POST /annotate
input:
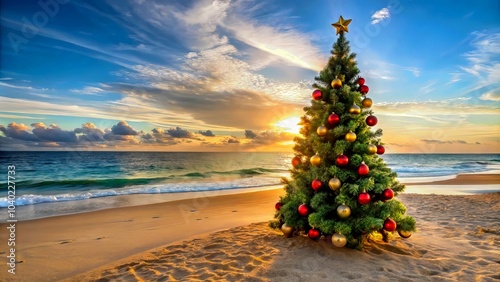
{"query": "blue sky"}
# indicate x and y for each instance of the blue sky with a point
(235, 75)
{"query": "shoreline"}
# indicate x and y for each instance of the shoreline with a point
(487, 182)
(464, 179)
(92, 239)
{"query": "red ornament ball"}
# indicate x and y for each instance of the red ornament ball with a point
(364, 89)
(361, 81)
(316, 184)
(296, 161)
(313, 233)
(389, 225)
(278, 206)
(364, 198)
(303, 210)
(371, 120)
(363, 169)
(317, 95)
(342, 160)
(388, 194)
(380, 149)
(333, 119)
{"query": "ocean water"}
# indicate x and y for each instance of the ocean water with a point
(63, 177)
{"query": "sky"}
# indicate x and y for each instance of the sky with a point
(234, 75)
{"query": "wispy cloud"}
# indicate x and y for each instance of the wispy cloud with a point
(11, 116)
(493, 95)
(414, 70)
(380, 15)
(16, 86)
(435, 141)
(428, 88)
(89, 90)
(207, 24)
(448, 108)
(456, 77)
(483, 59)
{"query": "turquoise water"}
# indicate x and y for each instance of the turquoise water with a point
(51, 177)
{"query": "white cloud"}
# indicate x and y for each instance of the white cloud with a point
(483, 59)
(211, 23)
(414, 70)
(9, 116)
(89, 90)
(380, 15)
(16, 86)
(287, 44)
(378, 69)
(433, 110)
(456, 77)
(482, 62)
(428, 88)
(493, 95)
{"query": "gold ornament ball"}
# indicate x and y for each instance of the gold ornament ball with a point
(334, 183)
(322, 130)
(404, 234)
(315, 160)
(343, 211)
(339, 240)
(287, 230)
(367, 102)
(350, 136)
(372, 149)
(336, 83)
(355, 109)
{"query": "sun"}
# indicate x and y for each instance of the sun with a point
(289, 125)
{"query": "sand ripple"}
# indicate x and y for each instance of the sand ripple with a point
(458, 240)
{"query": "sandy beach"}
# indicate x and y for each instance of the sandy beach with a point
(226, 238)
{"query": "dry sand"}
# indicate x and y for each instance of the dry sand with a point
(458, 240)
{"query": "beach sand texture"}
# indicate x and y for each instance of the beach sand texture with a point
(458, 240)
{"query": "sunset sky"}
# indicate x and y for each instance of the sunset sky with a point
(220, 75)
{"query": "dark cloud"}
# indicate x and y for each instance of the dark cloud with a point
(207, 133)
(110, 136)
(158, 131)
(250, 134)
(90, 133)
(231, 140)
(122, 128)
(435, 141)
(159, 136)
(53, 133)
(148, 136)
(18, 131)
(269, 137)
(89, 136)
(179, 133)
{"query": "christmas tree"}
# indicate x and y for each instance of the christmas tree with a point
(339, 186)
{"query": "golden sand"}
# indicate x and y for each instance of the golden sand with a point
(227, 238)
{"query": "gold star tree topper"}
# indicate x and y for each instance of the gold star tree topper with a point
(341, 25)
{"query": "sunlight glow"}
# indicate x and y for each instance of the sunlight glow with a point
(289, 125)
